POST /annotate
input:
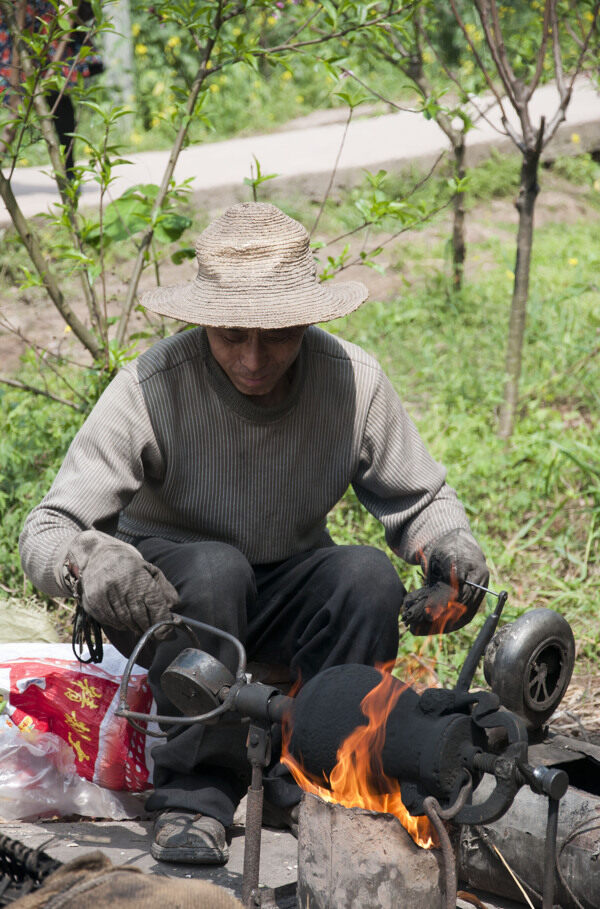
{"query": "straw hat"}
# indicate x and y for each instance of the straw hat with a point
(255, 270)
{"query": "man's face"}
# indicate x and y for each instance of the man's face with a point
(257, 361)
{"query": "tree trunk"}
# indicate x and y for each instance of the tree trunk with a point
(458, 227)
(516, 329)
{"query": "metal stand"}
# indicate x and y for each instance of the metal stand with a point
(259, 755)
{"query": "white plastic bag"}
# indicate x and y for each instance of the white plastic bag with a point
(48, 691)
(38, 779)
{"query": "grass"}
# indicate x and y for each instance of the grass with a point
(535, 503)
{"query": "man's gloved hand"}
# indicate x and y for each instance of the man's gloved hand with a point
(117, 587)
(447, 602)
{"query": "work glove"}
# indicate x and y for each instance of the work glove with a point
(115, 585)
(447, 602)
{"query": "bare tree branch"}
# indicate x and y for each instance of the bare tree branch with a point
(549, 5)
(34, 251)
(44, 354)
(410, 193)
(330, 36)
(561, 113)
(480, 62)
(42, 392)
(491, 8)
(334, 171)
(426, 217)
(513, 134)
(376, 94)
(557, 54)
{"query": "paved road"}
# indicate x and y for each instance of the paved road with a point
(304, 152)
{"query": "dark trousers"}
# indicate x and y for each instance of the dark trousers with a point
(64, 120)
(325, 607)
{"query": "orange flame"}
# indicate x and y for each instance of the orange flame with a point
(358, 780)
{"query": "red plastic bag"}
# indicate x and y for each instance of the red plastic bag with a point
(77, 703)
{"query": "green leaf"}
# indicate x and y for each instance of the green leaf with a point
(186, 252)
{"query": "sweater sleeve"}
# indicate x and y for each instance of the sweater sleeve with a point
(102, 470)
(399, 482)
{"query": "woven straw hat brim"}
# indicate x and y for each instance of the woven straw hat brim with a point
(275, 307)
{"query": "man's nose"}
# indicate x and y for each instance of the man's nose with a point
(254, 355)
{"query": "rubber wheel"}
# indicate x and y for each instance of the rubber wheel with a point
(529, 663)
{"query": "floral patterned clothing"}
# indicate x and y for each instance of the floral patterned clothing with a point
(39, 15)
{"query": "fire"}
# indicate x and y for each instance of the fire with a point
(440, 603)
(443, 612)
(358, 780)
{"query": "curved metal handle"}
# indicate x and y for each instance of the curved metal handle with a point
(179, 622)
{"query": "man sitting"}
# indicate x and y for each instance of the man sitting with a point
(201, 483)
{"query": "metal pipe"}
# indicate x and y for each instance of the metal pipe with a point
(254, 811)
(448, 858)
(550, 853)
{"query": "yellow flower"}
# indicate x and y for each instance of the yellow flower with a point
(427, 57)
(208, 64)
(141, 49)
(214, 87)
(135, 29)
(286, 76)
(576, 138)
(237, 31)
(573, 261)
(589, 16)
(509, 274)
(23, 162)
(174, 41)
(299, 98)
(271, 20)
(67, 329)
(158, 89)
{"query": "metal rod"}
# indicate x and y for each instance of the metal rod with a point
(550, 853)
(448, 858)
(254, 811)
(479, 587)
(481, 641)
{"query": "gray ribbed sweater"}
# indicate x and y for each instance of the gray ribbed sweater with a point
(171, 449)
